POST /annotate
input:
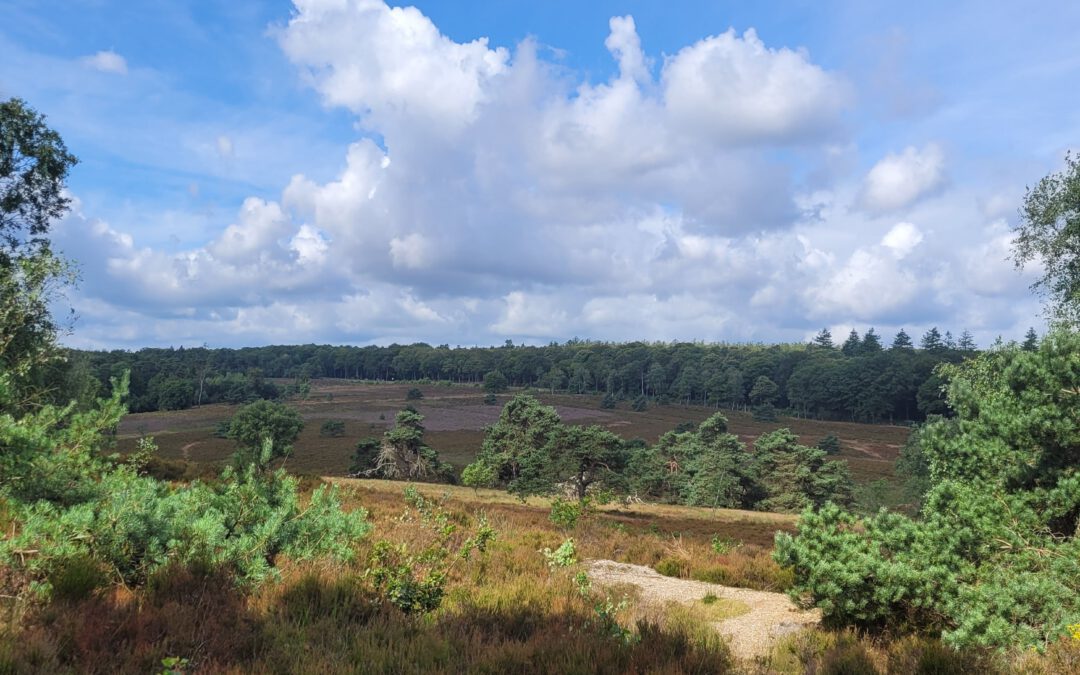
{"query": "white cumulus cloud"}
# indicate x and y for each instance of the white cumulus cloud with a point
(898, 181)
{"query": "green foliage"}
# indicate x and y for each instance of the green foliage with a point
(566, 514)
(76, 578)
(764, 413)
(640, 404)
(479, 475)
(724, 545)
(582, 458)
(1048, 235)
(34, 163)
(913, 469)
(994, 560)
(495, 382)
(71, 502)
(491, 399)
(830, 445)
(414, 581)
(704, 467)
(256, 423)
(414, 394)
(764, 391)
(564, 556)
(403, 455)
(530, 452)
(364, 457)
(609, 401)
(332, 429)
(795, 477)
(523, 429)
(606, 611)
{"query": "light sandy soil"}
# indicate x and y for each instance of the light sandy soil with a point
(751, 635)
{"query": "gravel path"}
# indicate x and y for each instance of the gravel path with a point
(752, 634)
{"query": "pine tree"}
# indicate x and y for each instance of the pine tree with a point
(931, 340)
(902, 341)
(823, 339)
(852, 345)
(1031, 341)
(871, 343)
(966, 342)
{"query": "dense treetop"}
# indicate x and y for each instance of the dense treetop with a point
(861, 381)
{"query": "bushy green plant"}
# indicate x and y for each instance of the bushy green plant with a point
(414, 579)
(332, 429)
(71, 502)
(564, 556)
(414, 394)
(566, 514)
(994, 560)
(364, 456)
(261, 420)
(829, 444)
(764, 412)
(724, 545)
(478, 475)
(795, 476)
(403, 454)
(640, 404)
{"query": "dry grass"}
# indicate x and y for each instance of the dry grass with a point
(505, 612)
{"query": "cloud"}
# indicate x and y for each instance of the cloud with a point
(530, 315)
(898, 181)
(389, 63)
(735, 89)
(493, 194)
(106, 61)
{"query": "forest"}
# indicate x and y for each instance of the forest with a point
(859, 379)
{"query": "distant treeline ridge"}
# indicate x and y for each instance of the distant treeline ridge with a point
(860, 380)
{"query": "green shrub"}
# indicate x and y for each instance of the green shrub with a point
(414, 394)
(76, 578)
(564, 556)
(478, 475)
(994, 560)
(609, 401)
(332, 429)
(491, 399)
(73, 504)
(673, 567)
(640, 404)
(724, 545)
(830, 444)
(764, 413)
(566, 514)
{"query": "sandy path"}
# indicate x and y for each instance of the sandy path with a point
(771, 615)
(185, 451)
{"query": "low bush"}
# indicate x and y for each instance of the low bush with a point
(332, 429)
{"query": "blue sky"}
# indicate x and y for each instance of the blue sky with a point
(466, 172)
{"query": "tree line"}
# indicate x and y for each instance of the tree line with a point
(859, 379)
(530, 451)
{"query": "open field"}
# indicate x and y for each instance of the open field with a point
(455, 417)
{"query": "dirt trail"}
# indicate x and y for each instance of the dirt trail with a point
(185, 451)
(771, 615)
